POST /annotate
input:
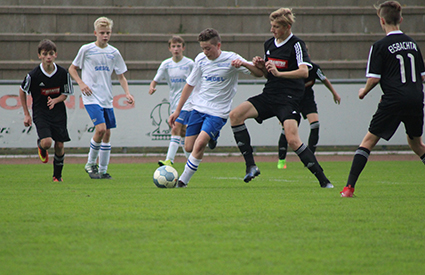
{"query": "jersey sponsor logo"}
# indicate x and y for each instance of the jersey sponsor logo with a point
(184, 68)
(177, 80)
(402, 46)
(51, 91)
(223, 64)
(280, 63)
(101, 68)
(214, 78)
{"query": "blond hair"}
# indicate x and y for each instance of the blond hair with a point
(103, 22)
(283, 16)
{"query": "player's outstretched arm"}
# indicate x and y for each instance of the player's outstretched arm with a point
(187, 90)
(152, 87)
(370, 84)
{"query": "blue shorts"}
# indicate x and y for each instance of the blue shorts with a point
(100, 115)
(202, 122)
(184, 117)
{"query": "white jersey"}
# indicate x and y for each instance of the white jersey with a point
(216, 82)
(97, 65)
(175, 74)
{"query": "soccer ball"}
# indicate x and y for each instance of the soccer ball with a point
(165, 177)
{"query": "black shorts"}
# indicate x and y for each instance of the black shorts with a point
(267, 109)
(385, 122)
(56, 131)
(308, 105)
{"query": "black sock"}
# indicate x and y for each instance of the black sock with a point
(307, 157)
(243, 141)
(57, 166)
(359, 162)
(283, 145)
(423, 158)
(314, 136)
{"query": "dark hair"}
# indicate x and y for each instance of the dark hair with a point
(390, 11)
(176, 39)
(210, 35)
(46, 45)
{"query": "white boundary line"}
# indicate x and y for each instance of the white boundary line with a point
(342, 153)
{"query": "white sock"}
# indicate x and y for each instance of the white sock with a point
(104, 156)
(187, 154)
(173, 147)
(94, 152)
(189, 169)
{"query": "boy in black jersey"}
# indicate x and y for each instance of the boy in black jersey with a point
(397, 64)
(308, 109)
(49, 85)
(285, 66)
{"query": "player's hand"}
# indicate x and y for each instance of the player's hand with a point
(85, 90)
(259, 62)
(172, 119)
(271, 68)
(152, 90)
(362, 93)
(130, 99)
(337, 99)
(237, 63)
(27, 121)
(51, 103)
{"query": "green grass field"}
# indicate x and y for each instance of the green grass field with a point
(280, 223)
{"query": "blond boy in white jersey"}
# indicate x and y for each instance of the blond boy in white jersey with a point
(216, 76)
(97, 61)
(175, 70)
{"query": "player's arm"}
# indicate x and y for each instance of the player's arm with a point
(124, 84)
(85, 90)
(52, 101)
(187, 90)
(152, 87)
(237, 63)
(260, 63)
(301, 72)
(328, 84)
(370, 84)
(27, 116)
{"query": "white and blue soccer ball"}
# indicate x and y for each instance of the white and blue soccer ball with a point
(165, 177)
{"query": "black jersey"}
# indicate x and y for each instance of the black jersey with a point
(314, 73)
(41, 86)
(287, 57)
(397, 61)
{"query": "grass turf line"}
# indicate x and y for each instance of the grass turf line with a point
(280, 223)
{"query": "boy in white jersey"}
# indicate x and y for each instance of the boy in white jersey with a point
(216, 76)
(175, 70)
(97, 61)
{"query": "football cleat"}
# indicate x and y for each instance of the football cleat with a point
(327, 185)
(92, 170)
(212, 144)
(281, 164)
(347, 192)
(181, 184)
(165, 162)
(57, 179)
(105, 176)
(251, 173)
(43, 154)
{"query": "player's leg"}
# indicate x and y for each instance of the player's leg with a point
(182, 141)
(360, 159)
(313, 139)
(105, 155)
(306, 156)
(58, 161)
(44, 141)
(211, 125)
(243, 140)
(173, 145)
(282, 150)
(417, 146)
